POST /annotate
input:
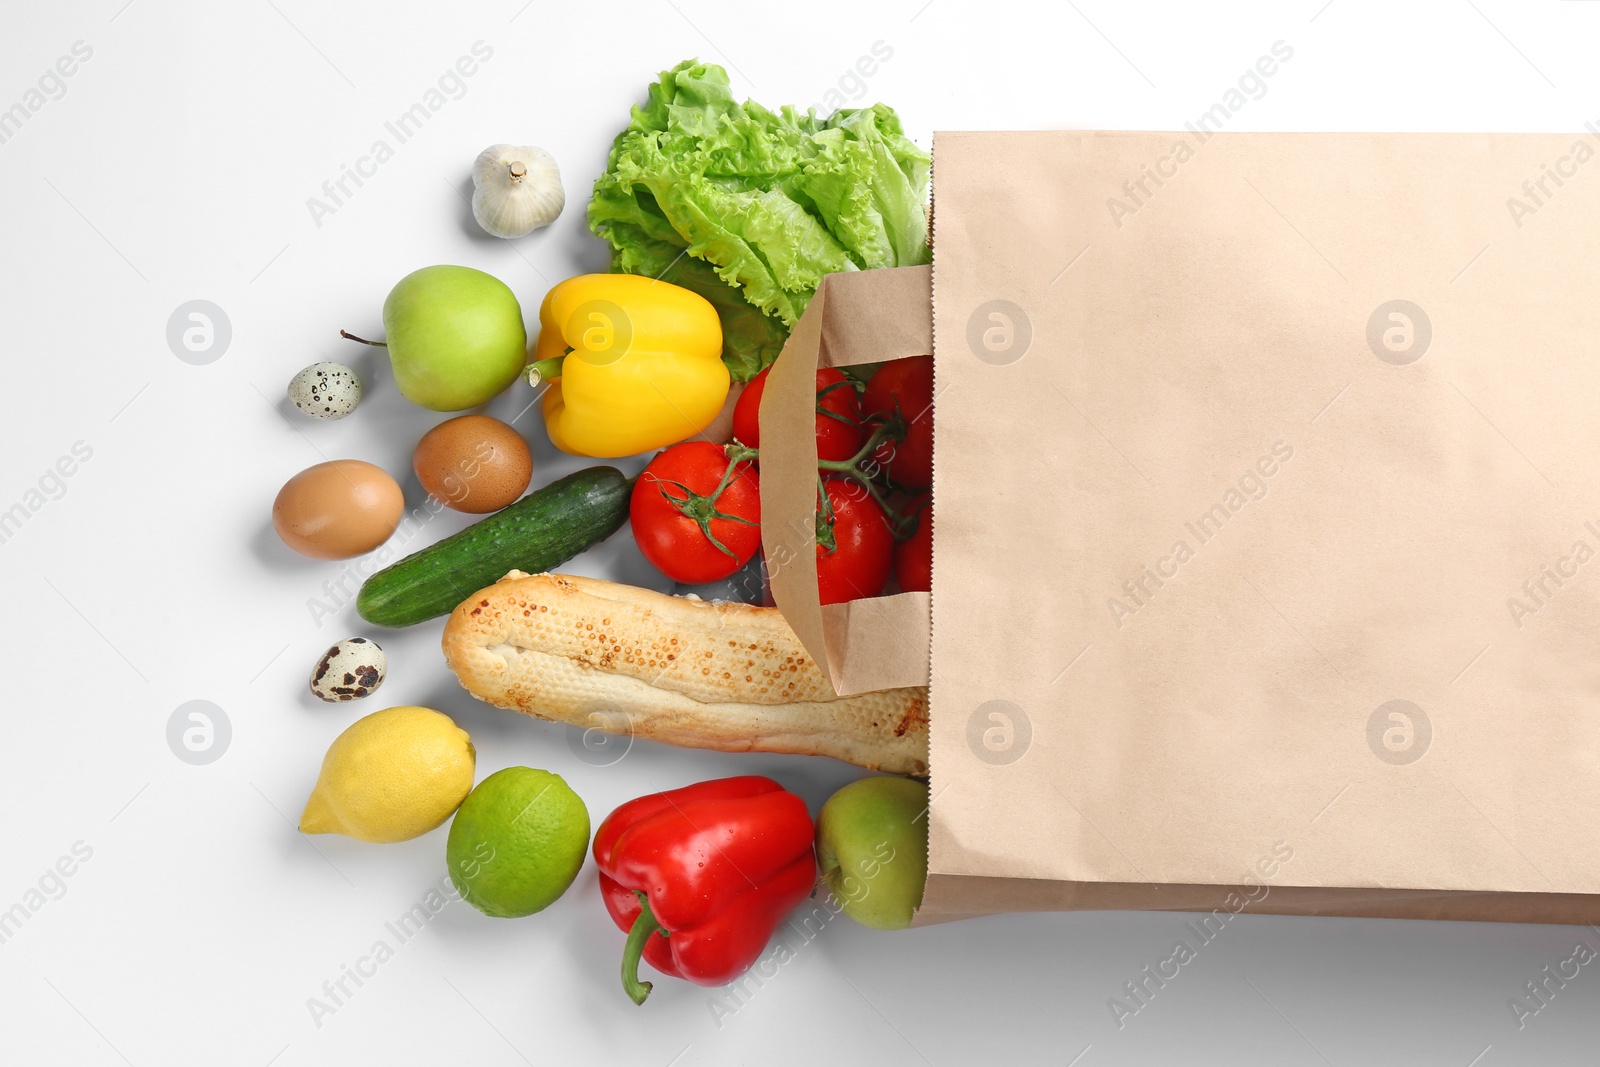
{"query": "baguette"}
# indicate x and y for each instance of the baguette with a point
(685, 671)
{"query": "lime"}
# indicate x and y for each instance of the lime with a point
(517, 842)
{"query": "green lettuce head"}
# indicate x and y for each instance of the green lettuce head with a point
(750, 207)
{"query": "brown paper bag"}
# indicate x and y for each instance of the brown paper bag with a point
(1265, 507)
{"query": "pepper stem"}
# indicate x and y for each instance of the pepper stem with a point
(363, 340)
(543, 370)
(643, 927)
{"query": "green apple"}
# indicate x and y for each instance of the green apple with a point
(455, 337)
(872, 844)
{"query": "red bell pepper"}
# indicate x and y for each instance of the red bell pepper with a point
(701, 876)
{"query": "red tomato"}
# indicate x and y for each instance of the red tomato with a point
(839, 432)
(693, 517)
(905, 385)
(863, 547)
(913, 557)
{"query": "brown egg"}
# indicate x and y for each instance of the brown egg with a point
(338, 510)
(473, 463)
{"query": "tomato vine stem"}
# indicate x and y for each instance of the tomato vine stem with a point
(886, 429)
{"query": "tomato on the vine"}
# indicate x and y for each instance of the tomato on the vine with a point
(695, 514)
(913, 557)
(855, 547)
(839, 431)
(905, 386)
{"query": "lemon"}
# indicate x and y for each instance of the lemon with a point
(517, 842)
(392, 776)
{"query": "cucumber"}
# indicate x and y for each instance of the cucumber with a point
(542, 530)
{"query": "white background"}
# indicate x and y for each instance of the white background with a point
(176, 166)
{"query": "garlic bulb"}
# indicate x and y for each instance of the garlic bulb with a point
(516, 190)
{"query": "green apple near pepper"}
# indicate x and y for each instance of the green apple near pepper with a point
(872, 846)
(455, 337)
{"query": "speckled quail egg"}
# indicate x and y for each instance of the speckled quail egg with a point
(325, 390)
(349, 670)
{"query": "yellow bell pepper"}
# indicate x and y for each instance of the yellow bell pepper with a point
(634, 364)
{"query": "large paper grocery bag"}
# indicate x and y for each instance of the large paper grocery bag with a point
(1266, 513)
